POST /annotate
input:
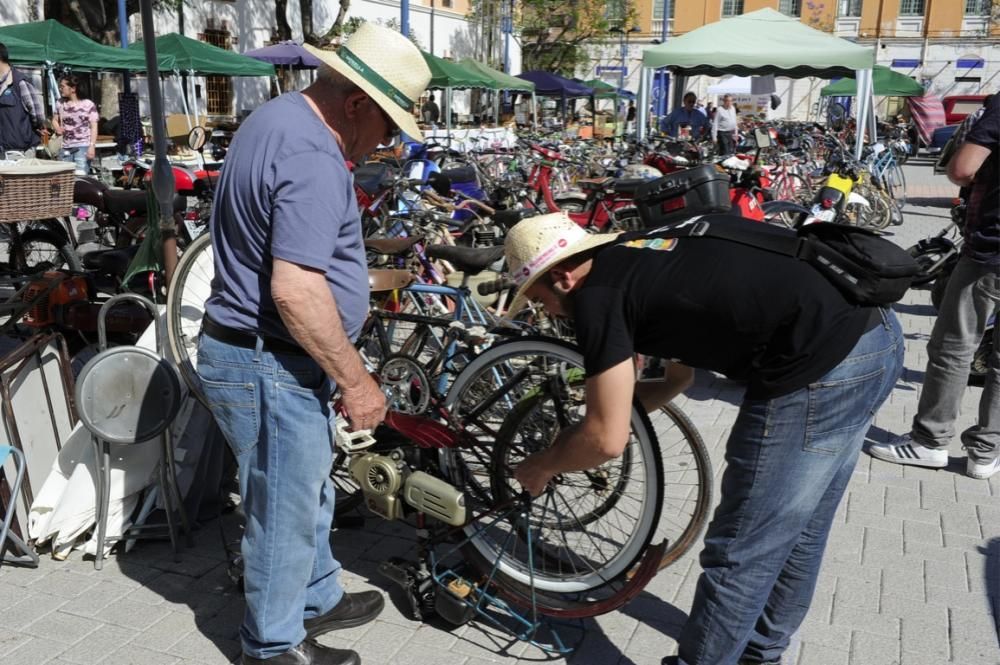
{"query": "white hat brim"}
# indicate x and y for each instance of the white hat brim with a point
(591, 241)
(403, 118)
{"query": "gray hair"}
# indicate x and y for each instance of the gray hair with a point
(336, 81)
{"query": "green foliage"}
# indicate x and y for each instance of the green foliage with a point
(555, 32)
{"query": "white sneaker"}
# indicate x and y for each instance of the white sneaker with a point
(981, 470)
(904, 450)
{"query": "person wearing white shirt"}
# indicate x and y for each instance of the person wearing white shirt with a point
(724, 126)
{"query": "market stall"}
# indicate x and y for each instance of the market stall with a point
(735, 46)
(548, 84)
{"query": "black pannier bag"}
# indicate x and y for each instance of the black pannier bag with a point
(867, 268)
(682, 195)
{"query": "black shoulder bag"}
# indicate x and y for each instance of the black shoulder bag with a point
(867, 268)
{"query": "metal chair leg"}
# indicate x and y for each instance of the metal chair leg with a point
(100, 505)
(168, 509)
(168, 453)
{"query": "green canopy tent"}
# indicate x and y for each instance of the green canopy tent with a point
(52, 43)
(447, 75)
(502, 81)
(885, 82)
(738, 46)
(197, 58)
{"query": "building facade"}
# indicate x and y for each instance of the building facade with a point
(952, 47)
(443, 27)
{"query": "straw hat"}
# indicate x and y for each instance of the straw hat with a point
(536, 244)
(387, 66)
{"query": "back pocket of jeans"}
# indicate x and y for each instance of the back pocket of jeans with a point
(838, 408)
(234, 406)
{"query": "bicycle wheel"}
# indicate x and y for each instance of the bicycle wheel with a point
(186, 296)
(589, 528)
(45, 250)
(895, 182)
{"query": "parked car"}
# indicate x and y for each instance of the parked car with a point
(956, 108)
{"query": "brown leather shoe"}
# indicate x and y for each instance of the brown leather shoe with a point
(308, 653)
(354, 609)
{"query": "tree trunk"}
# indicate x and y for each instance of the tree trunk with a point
(281, 16)
(308, 33)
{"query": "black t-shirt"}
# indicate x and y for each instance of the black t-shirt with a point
(750, 314)
(982, 223)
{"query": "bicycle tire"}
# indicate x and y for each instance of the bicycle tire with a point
(496, 364)
(46, 250)
(895, 182)
(186, 296)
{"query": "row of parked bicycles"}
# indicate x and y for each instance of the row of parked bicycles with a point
(475, 388)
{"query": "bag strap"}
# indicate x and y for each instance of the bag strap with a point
(743, 232)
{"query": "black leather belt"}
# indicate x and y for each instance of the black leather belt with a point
(247, 340)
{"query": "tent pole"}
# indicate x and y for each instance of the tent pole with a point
(194, 99)
(447, 113)
(642, 107)
(872, 117)
(863, 87)
(187, 112)
(534, 108)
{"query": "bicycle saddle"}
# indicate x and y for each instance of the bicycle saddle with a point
(392, 246)
(470, 260)
(381, 280)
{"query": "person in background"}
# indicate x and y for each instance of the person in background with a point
(75, 121)
(630, 113)
(22, 113)
(429, 112)
(687, 115)
(725, 126)
(970, 302)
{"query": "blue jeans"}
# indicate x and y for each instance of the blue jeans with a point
(274, 411)
(789, 460)
(78, 156)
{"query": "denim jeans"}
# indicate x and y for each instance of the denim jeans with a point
(970, 301)
(78, 156)
(789, 460)
(274, 411)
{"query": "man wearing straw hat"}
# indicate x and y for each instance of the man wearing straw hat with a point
(289, 296)
(816, 367)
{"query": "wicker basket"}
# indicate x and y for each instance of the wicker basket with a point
(35, 189)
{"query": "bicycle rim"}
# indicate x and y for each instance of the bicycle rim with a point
(500, 393)
(190, 288)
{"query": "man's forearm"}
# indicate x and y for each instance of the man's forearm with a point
(576, 448)
(311, 316)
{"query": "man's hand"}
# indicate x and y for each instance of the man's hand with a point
(533, 474)
(91, 152)
(365, 405)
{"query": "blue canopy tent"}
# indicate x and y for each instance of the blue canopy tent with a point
(548, 84)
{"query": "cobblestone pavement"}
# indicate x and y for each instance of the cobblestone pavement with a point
(911, 570)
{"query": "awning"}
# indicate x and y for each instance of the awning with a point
(548, 84)
(761, 42)
(285, 54)
(500, 80)
(884, 82)
(448, 74)
(61, 45)
(193, 56)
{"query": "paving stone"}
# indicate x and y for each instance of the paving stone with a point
(205, 649)
(36, 650)
(856, 619)
(926, 636)
(872, 521)
(63, 583)
(61, 627)
(869, 648)
(96, 598)
(130, 614)
(819, 654)
(136, 655)
(920, 531)
(856, 593)
(866, 499)
(948, 574)
(11, 640)
(957, 597)
(964, 524)
(882, 543)
(168, 631)
(98, 645)
(31, 607)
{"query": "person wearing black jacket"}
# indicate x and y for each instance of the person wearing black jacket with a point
(816, 366)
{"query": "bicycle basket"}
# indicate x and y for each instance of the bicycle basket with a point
(35, 189)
